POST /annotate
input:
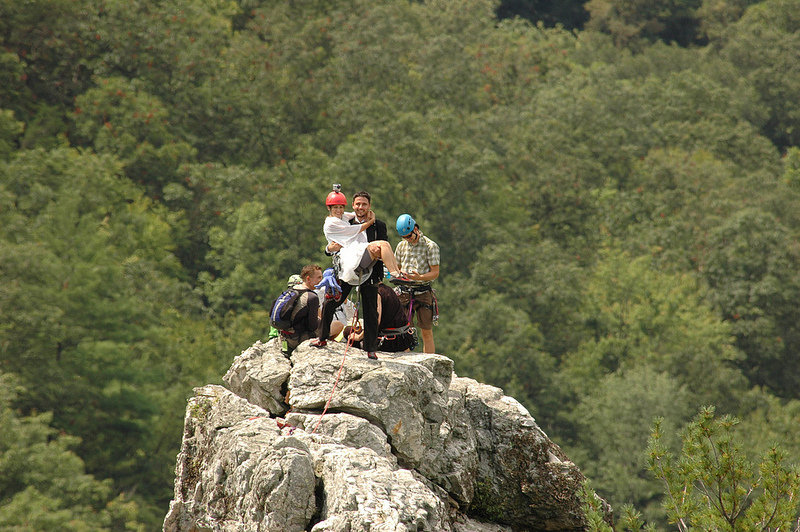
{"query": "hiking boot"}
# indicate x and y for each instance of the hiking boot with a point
(372, 355)
(319, 343)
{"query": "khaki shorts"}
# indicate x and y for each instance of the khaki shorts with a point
(423, 308)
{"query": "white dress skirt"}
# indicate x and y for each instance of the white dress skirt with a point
(354, 267)
(355, 264)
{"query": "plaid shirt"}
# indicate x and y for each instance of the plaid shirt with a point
(420, 256)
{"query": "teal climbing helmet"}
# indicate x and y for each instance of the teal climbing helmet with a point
(405, 224)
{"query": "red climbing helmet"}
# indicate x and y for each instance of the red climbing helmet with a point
(336, 197)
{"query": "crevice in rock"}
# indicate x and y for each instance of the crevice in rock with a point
(401, 462)
(285, 393)
(319, 501)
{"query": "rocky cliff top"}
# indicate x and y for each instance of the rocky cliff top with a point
(405, 444)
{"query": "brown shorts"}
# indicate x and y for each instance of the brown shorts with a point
(423, 308)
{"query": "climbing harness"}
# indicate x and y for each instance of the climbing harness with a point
(414, 290)
(391, 334)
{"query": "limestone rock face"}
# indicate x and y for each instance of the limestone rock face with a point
(259, 375)
(237, 472)
(400, 395)
(404, 444)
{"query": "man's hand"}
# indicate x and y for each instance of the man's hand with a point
(356, 334)
(414, 275)
(333, 247)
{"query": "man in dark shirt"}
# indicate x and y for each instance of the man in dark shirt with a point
(305, 315)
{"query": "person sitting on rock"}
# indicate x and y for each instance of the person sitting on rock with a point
(305, 316)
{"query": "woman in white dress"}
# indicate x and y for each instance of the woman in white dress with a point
(357, 254)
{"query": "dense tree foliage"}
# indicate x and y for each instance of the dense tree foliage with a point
(44, 485)
(614, 187)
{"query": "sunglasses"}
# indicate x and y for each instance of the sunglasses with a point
(409, 236)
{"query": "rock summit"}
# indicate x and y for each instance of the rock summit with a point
(404, 444)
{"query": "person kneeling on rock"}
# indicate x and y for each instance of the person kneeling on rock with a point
(395, 333)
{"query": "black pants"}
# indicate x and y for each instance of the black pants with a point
(369, 311)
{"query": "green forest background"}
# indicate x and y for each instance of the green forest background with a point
(614, 185)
